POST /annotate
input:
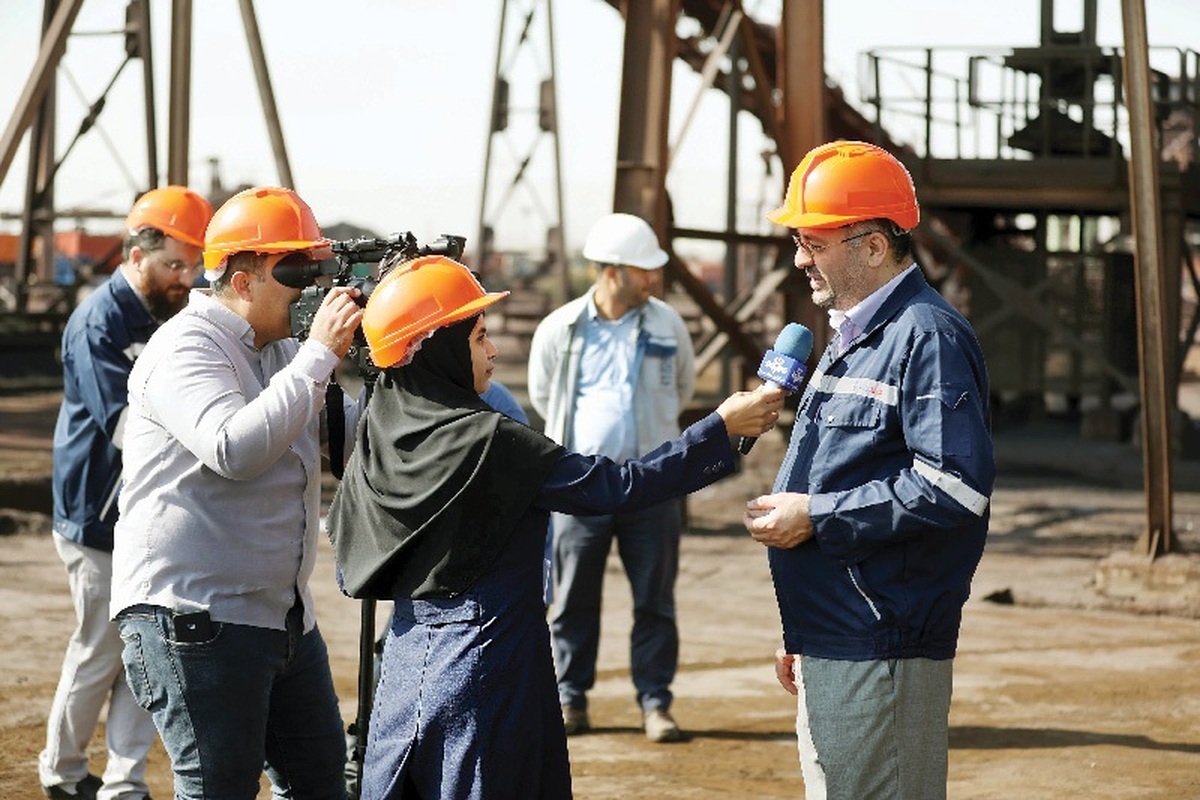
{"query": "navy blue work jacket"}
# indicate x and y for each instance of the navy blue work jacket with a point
(103, 336)
(892, 442)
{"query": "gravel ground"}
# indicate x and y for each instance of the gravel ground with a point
(1060, 690)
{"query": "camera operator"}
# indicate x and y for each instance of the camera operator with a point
(219, 517)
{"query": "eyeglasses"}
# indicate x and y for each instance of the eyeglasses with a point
(813, 250)
(179, 267)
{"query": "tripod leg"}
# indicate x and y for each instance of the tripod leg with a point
(368, 675)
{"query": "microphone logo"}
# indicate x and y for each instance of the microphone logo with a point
(782, 370)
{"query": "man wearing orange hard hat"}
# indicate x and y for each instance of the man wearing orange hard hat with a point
(879, 513)
(217, 535)
(105, 333)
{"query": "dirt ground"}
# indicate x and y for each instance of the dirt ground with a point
(1060, 691)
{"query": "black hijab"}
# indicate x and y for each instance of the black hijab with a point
(437, 480)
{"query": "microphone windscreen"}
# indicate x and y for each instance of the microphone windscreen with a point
(783, 365)
(794, 340)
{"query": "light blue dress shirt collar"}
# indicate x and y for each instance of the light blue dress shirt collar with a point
(852, 322)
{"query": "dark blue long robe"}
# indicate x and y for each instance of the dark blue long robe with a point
(467, 706)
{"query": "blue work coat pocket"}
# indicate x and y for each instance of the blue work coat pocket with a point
(660, 357)
(438, 612)
(849, 420)
(946, 415)
(846, 424)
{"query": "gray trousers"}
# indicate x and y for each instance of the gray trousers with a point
(873, 729)
(92, 674)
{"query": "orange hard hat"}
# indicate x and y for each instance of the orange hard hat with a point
(177, 211)
(266, 219)
(419, 297)
(845, 182)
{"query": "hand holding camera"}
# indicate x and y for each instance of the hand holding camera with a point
(340, 331)
(337, 319)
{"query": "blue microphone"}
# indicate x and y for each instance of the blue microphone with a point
(783, 366)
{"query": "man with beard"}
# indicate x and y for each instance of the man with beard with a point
(880, 509)
(610, 372)
(161, 258)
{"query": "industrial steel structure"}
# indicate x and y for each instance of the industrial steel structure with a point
(1057, 182)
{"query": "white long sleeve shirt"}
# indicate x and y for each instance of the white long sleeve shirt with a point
(221, 504)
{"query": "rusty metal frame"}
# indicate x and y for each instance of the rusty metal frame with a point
(54, 44)
(1152, 301)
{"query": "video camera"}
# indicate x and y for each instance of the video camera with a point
(300, 273)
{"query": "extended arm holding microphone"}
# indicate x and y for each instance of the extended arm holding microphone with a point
(783, 366)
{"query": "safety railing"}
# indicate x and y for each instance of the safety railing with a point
(1023, 103)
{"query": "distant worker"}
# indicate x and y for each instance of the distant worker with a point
(221, 511)
(103, 337)
(879, 512)
(610, 372)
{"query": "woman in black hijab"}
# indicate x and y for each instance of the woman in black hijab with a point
(443, 509)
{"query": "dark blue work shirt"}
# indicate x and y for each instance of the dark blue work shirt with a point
(103, 336)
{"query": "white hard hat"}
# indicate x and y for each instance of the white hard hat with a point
(626, 240)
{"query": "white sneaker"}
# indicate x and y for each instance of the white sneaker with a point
(660, 727)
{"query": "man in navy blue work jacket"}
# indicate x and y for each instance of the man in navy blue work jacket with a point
(105, 333)
(879, 512)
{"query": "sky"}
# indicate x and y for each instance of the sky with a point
(384, 104)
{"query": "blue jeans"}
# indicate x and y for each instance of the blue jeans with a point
(240, 701)
(648, 545)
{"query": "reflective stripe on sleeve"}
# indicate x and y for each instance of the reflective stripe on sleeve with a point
(967, 497)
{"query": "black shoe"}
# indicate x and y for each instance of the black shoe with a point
(575, 720)
(84, 790)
